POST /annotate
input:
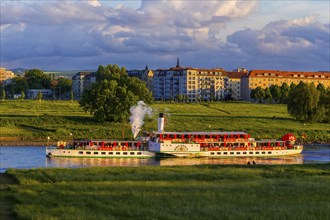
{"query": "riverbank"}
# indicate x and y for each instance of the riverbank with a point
(16, 141)
(28, 121)
(187, 192)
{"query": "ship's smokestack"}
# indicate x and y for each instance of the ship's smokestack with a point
(161, 122)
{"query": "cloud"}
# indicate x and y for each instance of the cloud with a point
(300, 42)
(94, 3)
(88, 33)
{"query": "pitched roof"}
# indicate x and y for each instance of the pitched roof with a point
(287, 74)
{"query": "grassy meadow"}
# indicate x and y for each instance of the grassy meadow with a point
(188, 192)
(33, 120)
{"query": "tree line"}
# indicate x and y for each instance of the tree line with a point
(34, 79)
(274, 93)
(305, 102)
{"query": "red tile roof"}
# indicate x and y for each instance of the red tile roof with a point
(287, 74)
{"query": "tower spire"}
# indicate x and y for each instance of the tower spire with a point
(177, 62)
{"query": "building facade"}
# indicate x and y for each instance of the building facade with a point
(192, 83)
(266, 78)
(5, 74)
(81, 81)
(46, 93)
(145, 75)
(233, 85)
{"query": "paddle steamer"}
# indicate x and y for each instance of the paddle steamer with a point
(180, 144)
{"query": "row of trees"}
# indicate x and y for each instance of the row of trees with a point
(305, 102)
(309, 103)
(34, 79)
(274, 93)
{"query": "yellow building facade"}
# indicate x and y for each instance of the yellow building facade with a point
(5, 74)
(266, 78)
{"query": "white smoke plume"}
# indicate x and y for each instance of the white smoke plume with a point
(138, 112)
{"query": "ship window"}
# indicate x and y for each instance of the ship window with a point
(64, 152)
(244, 152)
(225, 153)
(125, 153)
(257, 152)
(131, 153)
(102, 152)
(219, 153)
(238, 152)
(117, 153)
(88, 152)
(138, 153)
(111, 153)
(231, 152)
(96, 152)
(80, 152)
(250, 152)
(212, 153)
(263, 152)
(269, 152)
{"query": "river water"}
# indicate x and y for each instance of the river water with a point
(34, 157)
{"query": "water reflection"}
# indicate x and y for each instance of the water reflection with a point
(34, 157)
(105, 162)
(131, 162)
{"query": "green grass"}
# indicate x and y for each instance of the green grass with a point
(33, 120)
(193, 192)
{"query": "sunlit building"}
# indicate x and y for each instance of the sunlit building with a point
(145, 75)
(5, 74)
(266, 78)
(192, 84)
(233, 84)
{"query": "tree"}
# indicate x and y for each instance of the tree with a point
(303, 103)
(258, 93)
(36, 79)
(71, 95)
(179, 98)
(110, 98)
(285, 92)
(268, 96)
(320, 87)
(276, 92)
(2, 92)
(22, 95)
(325, 104)
(63, 86)
(39, 96)
(17, 85)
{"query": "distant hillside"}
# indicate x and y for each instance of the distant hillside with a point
(18, 71)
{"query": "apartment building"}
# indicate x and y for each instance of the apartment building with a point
(145, 75)
(233, 84)
(5, 74)
(193, 83)
(266, 78)
(81, 81)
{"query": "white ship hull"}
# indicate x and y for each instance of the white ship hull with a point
(247, 153)
(193, 150)
(56, 152)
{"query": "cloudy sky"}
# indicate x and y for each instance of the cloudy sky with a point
(78, 34)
